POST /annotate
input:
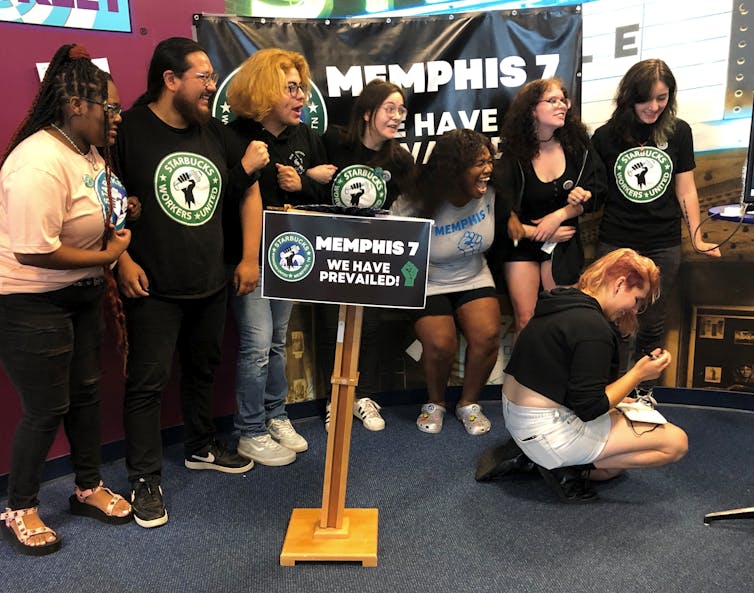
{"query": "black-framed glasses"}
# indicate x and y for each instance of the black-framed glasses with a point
(114, 108)
(555, 101)
(208, 78)
(392, 110)
(295, 87)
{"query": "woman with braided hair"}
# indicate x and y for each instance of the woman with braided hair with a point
(61, 217)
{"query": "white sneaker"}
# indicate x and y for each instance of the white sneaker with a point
(368, 411)
(264, 450)
(327, 417)
(283, 432)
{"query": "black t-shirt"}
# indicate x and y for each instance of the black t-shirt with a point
(397, 165)
(180, 176)
(296, 146)
(642, 209)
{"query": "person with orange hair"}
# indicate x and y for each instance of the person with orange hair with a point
(61, 227)
(267, 95)
(561, 386)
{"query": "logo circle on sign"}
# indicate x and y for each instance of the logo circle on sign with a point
(291, 256)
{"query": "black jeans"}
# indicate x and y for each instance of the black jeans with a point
(156, 328)
(651, 332)
(50, 347)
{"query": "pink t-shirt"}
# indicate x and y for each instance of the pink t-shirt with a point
(48, 198)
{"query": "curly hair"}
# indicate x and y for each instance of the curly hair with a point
(261, 82)
(636, 87)
(442, 176)
(638, 270)
(519, 130)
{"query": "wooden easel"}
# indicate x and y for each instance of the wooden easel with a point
(744, 513)
(334, 533)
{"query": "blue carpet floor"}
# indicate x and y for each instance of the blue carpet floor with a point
(439, 530)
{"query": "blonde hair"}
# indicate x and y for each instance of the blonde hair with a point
(639, 271)
(261, 82)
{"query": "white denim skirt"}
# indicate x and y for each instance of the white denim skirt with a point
(556, 437)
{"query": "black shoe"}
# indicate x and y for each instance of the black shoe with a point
(147, 503)
(218, 457)
(570, 483)
(502, 460)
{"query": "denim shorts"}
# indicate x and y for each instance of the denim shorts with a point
(556, 437)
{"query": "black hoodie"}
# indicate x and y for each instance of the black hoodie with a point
(568, 352)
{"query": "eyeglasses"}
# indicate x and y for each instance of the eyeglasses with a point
(295, 87)
(114, 108)
(208, 78)
(392, 110)
(641, 304)
(555, 101)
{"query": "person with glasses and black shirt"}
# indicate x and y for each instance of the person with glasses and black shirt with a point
(370, 142)
(549, 174)
(179, 161)
(267, 95)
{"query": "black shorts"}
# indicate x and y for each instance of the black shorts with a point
(527, 250)
(448, 303)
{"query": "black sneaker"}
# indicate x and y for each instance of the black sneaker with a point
(147, 503)
(218, 457)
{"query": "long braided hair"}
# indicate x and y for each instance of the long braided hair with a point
(70, 73)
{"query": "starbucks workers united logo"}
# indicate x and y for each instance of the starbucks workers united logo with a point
(188, 187)
(291, 256)
(643, 174)
(359, 186)
(119, 207)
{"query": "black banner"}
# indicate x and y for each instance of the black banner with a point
(326, 258)
(458, 71)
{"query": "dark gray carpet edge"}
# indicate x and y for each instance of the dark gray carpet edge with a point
(439, 530)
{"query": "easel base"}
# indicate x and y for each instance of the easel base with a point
(745, 513)
(306, 541)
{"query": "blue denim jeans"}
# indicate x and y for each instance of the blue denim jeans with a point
(261, 384)
(50, 347)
